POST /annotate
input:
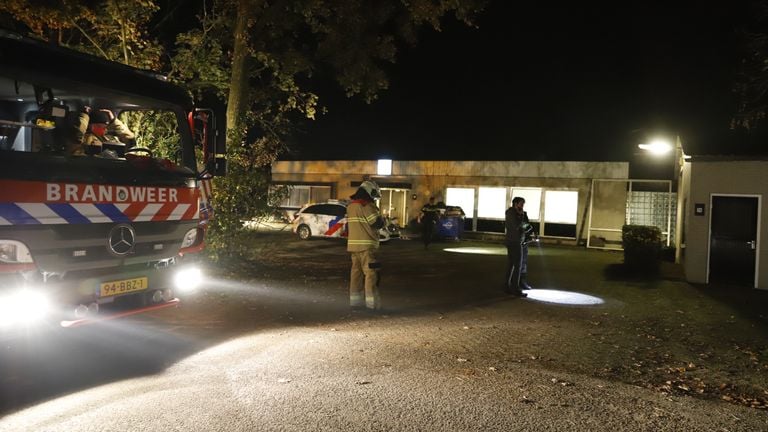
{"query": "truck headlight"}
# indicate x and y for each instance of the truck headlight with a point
(14, 252)
(189, 238)
(23, 306)
(188, 279)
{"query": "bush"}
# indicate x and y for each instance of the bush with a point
(642, 247)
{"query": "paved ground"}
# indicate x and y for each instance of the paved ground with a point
(273, 347)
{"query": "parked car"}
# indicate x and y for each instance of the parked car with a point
(329, 219)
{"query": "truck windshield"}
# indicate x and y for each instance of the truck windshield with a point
(80, 123)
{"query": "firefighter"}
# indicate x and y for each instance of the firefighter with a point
(97, 127)
(363, 224)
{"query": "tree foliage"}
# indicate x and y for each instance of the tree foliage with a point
(115, 30)
(752, 84)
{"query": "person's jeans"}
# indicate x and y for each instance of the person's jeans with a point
(524, 261)
(514, 263)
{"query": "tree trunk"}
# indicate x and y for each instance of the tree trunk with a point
(237, 102)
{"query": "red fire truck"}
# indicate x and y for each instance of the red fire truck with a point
(93, 226)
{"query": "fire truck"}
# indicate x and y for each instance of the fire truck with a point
(90, 231)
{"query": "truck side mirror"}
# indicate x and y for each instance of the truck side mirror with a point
(209, 134)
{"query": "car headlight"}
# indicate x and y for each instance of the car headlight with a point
(14, 252)
(189, 238)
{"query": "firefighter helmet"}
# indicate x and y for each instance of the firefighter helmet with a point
(371, 188)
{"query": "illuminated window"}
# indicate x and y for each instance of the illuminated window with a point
(491, 202)
(384, 167)
(561, 207)
(300, 195)
(462, 197)
(532, 199)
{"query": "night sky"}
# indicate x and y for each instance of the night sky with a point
(538, 82)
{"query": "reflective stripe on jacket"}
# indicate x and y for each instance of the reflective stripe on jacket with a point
(361, 215)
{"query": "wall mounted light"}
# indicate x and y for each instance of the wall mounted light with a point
(384, 167)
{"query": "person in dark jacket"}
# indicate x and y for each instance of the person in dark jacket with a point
(514, 224)
(428, 218)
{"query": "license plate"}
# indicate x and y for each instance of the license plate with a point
(109, 289)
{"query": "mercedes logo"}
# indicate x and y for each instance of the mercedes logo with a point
(121, 240)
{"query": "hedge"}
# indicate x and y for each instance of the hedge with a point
(642, 247)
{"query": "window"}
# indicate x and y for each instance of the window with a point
(83, 121)
(326, 209)
(560, 213)
(462, 197)
(158, 132)
(532, 198)
(319, 193)
(339, 210)
(491, 202)
(299, 195)
(313, 209)
(561, 207)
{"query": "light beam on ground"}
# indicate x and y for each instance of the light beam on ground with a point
(563, 297)
(478, 250)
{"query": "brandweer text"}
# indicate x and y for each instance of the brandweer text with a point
(107, 193)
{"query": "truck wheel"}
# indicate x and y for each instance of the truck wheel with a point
(304, 232)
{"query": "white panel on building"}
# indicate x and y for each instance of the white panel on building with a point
(491, 202)
(462, 197)
(561, 207)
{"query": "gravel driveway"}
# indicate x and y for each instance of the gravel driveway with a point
(272, 346)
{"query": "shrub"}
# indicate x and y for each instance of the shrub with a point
(642, 247)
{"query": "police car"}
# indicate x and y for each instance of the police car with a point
(328, 219)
